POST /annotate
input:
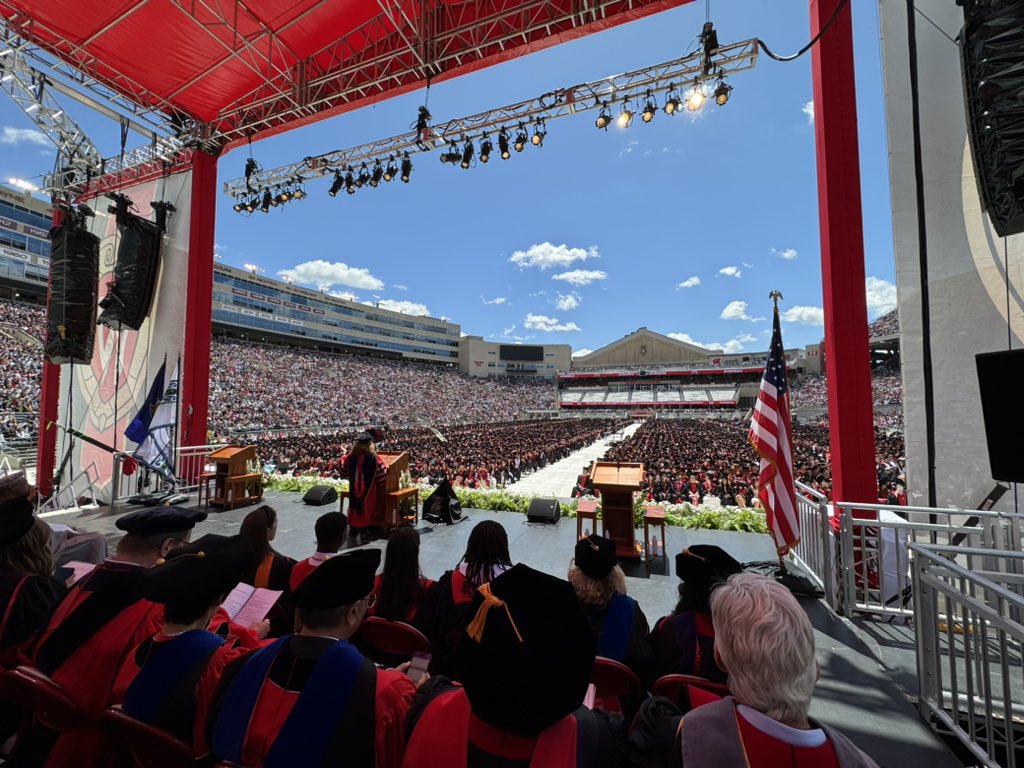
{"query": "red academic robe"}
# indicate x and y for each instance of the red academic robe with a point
(82, 652)
(366, 475)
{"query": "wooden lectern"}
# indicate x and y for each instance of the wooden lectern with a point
(394, 505)
(617, 483)
(234, 484)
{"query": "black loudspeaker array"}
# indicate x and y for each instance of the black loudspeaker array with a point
(544, 511)
(71, 307)
(992, 61)
(999, 382)
(130, 294)
(319, 495)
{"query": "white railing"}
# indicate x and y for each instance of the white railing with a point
(969, 641)
(875, 558)
(191, 464)
(816, 551)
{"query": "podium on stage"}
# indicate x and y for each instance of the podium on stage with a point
(394, 505)
(617, 482)
(234, 485)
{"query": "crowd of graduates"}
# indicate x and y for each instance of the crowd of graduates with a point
(509, 681)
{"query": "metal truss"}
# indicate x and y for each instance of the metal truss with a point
(630, 89)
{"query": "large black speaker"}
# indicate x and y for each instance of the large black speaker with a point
(71, 308)
(544, 511)
(999, 380)
(319, 495)
(992, 62)
(130, 294)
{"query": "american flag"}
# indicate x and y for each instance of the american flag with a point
(771, 436)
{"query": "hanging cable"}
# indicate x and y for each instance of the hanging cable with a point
(815, 39)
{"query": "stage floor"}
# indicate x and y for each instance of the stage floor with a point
(855, 693)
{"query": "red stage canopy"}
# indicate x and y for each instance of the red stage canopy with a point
(254, 68)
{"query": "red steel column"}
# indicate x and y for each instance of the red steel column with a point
(842, 257)
(195, 374)
(49, 400)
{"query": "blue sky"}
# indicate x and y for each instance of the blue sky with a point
(595, 234)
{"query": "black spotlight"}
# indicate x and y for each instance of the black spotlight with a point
(350, 182)
(521, 138)
(604, 118)
(277, 200)
(467, 155)
(377, 175)
(625, 118)
(299, 192)
(392, 169)
(268, 200)
(238, 207)
(406, 167)
(364, 176)
(285, 195)
(250, 204)
(336, 185)
(485, 149)
(673, 102)
(650, 109)
(503, 144)
(722, 92)
(539, 132)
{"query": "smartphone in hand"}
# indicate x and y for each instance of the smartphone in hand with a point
(418, 666)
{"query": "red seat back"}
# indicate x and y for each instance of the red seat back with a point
(36, 693)
(677, 688)
(384, 640)
(150, 747)
(614, 679)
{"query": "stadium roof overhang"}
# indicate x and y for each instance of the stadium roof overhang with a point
(240, 70)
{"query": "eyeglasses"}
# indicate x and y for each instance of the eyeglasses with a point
(371, 600)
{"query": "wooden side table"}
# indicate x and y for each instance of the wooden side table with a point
(653, 517)
(205, 478)
(586, 510)
(342, 495)
(395, 501)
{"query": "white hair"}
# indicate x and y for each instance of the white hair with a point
(766, 644)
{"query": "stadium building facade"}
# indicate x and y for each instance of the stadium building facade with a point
(24, 245)
(484, 358)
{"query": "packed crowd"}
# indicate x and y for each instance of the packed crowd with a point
(30, 318)
(474, 455)
(687, 460)
(261, 387)
(886, 388)
(511, 677)
(885, 325)
(21, 362)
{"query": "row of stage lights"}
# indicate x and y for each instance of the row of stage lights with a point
(350, 179)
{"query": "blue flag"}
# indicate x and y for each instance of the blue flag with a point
(139, 428)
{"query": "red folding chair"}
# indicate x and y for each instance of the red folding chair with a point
(389, 642)
(150, 747)
(36, 693)
(617, 687)
(688, 691)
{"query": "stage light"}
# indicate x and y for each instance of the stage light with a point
(285, 195)
(672, 104)
(722, 92)
(406, 167)
(604, 119)
(695, 97)
(650, 109)
(238, 207)
(364, 176)
(539, 132)
(250, 204)
(467, 155)
(521, 138)
(503, 144)
(392, 169)
(350, 182)
(267, 201)
(452, 155)
(299, 192)
(377, 175)
(625, 118)
(276, 201)
(485, 149)
(336, 185)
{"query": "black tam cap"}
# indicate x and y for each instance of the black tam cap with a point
(160, 520)
(203, 570)
(339, 581)
(595, 556)
(702, 565)
(528, 652)
(365, 437)
(15, 519)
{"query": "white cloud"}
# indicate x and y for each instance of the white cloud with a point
(347, 295)
(403, 306)
(737, 310)
(568, 301)
(731, 271)
(881, 296)
(509, 330)
(495, 300)
(786, 253)
(808, 109)
(747, 265)
(545, 255)
(582, 352)
(804, 315)
(689, 282)
(15, 136)
(400, 287)
(581, 276)
(325, 273)
(545, 323)
(730, 347)
(628, 148)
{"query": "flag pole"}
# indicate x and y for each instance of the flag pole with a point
(177, 419)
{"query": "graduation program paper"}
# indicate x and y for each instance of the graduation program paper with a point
(246, 604)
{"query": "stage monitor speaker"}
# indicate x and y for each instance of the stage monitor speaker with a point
(319, 495)
(999, 378)
(71, 308)
(130, 294)
(544, 511)
(992, 64)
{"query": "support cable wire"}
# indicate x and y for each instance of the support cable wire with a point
(815, 39)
